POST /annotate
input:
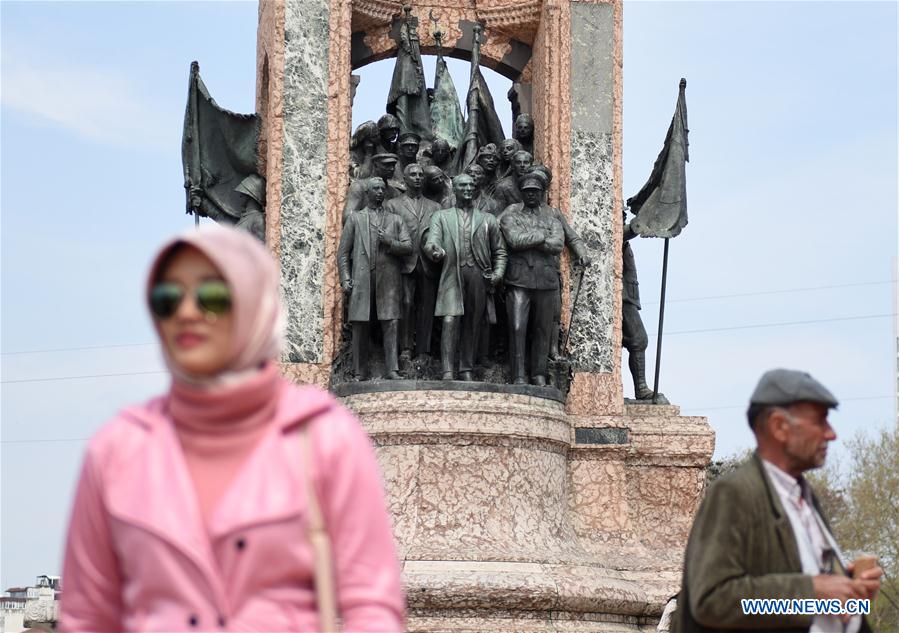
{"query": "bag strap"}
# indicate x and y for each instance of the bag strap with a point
(325, 589)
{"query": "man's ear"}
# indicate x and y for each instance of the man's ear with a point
(776, 425)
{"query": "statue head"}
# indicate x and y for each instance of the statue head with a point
(365, 138)
(414, 176)
(464, 188)
(385, 164)
(521, 162)
(508, 148)
(532, 185)
(477, 173)
(488, 158)
(253, 186)
(433, 176)
(388, 129)
(376, 188)
(440, 151)
(523, 128)
(409, 142)
(546, 171)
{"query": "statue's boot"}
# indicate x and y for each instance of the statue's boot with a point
(554, 342)
(637, 363)
(448, 347)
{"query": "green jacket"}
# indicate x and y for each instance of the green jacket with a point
(741, 546)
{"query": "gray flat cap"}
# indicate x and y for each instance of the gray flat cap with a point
(782, 387)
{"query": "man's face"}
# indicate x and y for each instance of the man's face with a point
(477, 174)
(414, 177)
(464, 188)
(389, 135)
(522, 164)
(524, 128)
(488, 162)
(531, 196)
(804, 433)
(376, 191)
(385, 169)
(409, 150)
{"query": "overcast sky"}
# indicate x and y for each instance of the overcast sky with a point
(792, 188)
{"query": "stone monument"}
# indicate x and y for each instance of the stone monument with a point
(515, 507)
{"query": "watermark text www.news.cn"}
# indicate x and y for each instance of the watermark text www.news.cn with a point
(806, 606)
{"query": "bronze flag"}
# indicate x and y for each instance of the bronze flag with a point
(218, 150)
(660, 206)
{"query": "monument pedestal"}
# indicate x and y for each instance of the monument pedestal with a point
(511, 514)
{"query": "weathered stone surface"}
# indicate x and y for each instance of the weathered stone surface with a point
(593, 190)
(303, 184)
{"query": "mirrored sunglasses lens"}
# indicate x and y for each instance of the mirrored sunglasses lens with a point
(214, 297)
(165, 298)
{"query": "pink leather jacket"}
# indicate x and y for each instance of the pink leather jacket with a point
(139, 558)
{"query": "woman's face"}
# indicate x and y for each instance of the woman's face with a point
(197, 339)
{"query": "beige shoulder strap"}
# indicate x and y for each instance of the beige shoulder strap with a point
(325, 589)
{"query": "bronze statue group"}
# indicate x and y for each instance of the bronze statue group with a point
(427, 238)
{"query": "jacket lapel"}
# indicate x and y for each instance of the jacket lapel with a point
(166, 503)
(364, 226)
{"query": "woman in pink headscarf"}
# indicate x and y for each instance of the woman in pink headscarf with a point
(198, 510)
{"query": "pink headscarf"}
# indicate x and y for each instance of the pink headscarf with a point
(250, 271)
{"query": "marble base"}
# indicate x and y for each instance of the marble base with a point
(511, 514)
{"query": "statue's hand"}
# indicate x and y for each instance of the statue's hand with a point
(495, 278)
(383, 237)
(347, 285)
(437, 253)
(584, 259)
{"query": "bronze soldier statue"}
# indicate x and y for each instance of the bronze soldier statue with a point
(388, 134)
(574, 243)
(439, 154)
(409, 144)
(419, 273)
(507, 150)
(488, 159)
(535, 240)
(482, 201)
(438, 187)
(507, 191)
(375, 241)
(523, 131)
(470, 245)
(363, 146)
(384, 168)
(633, 334)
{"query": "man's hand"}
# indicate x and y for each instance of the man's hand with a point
(842, 588)
(583, 258)
(436, 253)
(870, 577)
(383, 237)
(347, 285)
(495, 278)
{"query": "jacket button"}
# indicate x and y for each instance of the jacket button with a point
(193, 621)
(240, 543)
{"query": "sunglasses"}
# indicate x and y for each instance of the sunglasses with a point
(213, 298)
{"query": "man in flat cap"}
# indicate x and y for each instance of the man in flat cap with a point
(534, 240)
(760, 533)
(384, 168)
(488, 158)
